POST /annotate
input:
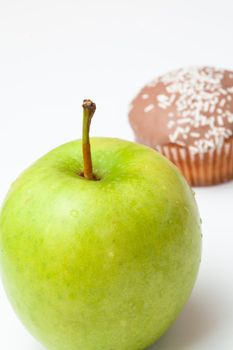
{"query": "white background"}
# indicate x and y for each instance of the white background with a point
(55, 53)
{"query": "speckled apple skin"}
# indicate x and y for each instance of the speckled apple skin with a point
(99, 265)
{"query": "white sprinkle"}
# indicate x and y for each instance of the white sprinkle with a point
(229, 98)
(193, 150)
(206, 106)
(214, 100)
(171, 114)
(170, 124)
(148, 108)
(224, 92)
(145, 96)
(185, 113)
(220, 121)
(180, 143)
(181, 107)
(163, 106)
(210, 122)
(219, 110)
(184, 120)
(230, 118)
(230, 89)
(210, 143)
(172, 98)
(212, 108)
(162, 98)
(222, 102)
(178, 131)
(195, 134)
(165, 101)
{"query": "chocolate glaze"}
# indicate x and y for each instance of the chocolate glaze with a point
(190, 108)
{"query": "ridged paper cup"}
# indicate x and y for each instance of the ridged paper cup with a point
(202, 169)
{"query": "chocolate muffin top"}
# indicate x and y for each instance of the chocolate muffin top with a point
(190, 107)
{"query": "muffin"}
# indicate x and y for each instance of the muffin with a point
(187, 115)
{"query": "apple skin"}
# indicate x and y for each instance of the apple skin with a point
(99, 265)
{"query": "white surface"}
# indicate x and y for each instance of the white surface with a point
(55, 53)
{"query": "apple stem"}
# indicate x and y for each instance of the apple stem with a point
(88, 111)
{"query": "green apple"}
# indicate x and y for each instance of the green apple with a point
(100, 260)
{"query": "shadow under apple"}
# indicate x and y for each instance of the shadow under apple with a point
(198, 320)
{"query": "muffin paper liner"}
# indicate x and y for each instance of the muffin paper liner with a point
(202, 169)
